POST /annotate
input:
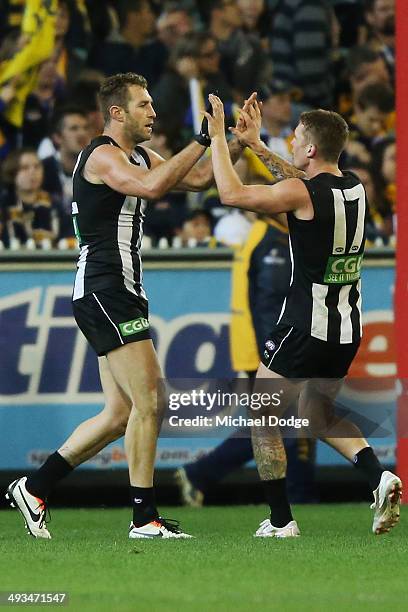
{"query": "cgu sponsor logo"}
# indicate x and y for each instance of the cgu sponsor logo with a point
(343, 269)
(133, 327)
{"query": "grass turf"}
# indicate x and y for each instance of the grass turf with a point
(336, 563)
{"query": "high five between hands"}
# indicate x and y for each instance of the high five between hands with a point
(247, 129)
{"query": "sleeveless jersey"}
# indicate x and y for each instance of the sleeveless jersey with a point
(324, 298)
(109, 229)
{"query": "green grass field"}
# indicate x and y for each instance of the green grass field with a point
(336, 563)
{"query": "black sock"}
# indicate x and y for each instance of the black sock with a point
(44, 479)
(277, 498)
(144, 505)
(367, 462)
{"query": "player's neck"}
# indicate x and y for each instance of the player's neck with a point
(120, 139)
(317, 167)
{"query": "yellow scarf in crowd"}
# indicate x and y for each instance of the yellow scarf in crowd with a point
(38, 26)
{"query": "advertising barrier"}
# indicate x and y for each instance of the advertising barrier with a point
(49, 376)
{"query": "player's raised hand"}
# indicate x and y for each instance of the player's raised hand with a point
(216, 121)
(249, 123)
(240, 125)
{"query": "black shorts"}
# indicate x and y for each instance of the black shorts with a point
(111, 318)
(293, 353)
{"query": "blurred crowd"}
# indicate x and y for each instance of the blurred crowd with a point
(297, 54)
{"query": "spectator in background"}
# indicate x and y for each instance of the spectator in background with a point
(380, 16)
(363, 67)
(368, 124)
(26, 207)
(377, 227)
(256, 19)
(40, 104)
(195, 56)
(70, 134)
(72, 39)
(301, 48)
(84, 95)
(133, 48)
(174, 23)
(164, 218)
(384, 172)
(244, 63)
(171, 94)
(276, 130)
(207, 58)
(197, 230)
(9, 135)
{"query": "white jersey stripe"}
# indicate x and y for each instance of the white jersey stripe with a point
(108, 317)
(292, 261)
(77, 163)
(320, 312)
(340, 225)
(125, 231)
(344, 308)
(79, 287)
(357, 193)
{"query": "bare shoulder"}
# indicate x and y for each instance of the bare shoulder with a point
(292, 189)
(298, 194)
(104, 158)
(295, 196)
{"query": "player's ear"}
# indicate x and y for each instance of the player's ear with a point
(117, 113)
(311, 151)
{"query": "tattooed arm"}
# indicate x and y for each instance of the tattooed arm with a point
(279, 167)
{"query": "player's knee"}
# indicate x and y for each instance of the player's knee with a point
(118, 422)
(152, 406)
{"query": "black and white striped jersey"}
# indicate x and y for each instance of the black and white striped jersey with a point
(109, 229)
(324, 298)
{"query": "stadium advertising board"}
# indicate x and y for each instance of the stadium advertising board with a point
(49, 377)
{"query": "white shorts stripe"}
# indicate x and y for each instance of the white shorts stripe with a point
(320, 312)
(279, 347)
(359, 307)
(344, 308)
(106, 314)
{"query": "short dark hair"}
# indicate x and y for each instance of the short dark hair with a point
(61, 112)
(360, 55)
(115, 91)
(376, 95)
(11, 164)
(328, 131)
(124, 7)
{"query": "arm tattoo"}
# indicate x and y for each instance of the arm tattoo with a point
(279, 167)
(269, 453)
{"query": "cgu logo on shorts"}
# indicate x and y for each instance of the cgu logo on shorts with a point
(343, 269)
(134, 327)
